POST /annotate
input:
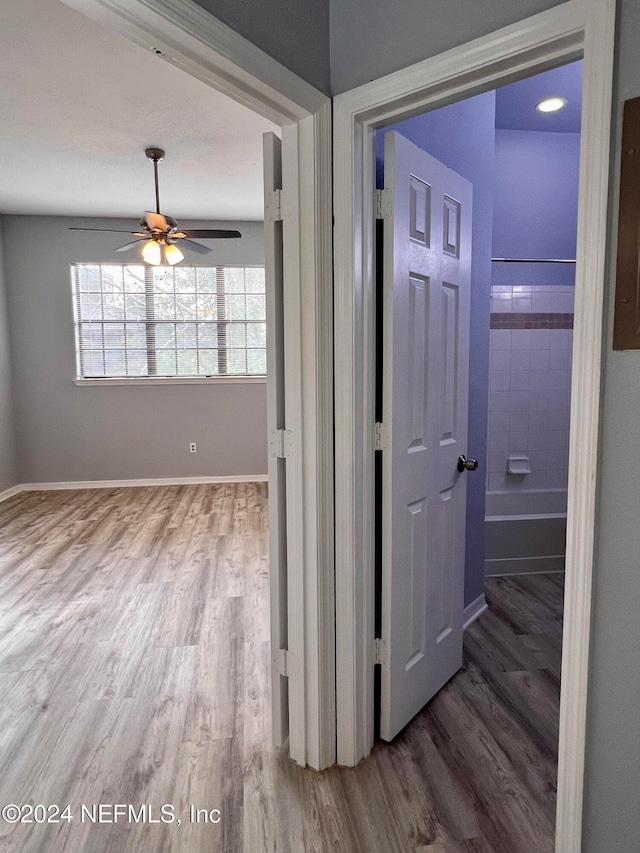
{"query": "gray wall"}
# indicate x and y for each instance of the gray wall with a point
(370, 38)
(65, 432)
(7, 445)
(295, 32)
(612, 816)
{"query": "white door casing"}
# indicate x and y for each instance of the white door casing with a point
(562, 34)
(426, 297)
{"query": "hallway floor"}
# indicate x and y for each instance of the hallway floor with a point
(134, 667)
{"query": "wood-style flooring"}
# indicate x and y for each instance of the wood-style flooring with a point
(134, 669)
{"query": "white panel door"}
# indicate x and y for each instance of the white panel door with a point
(274, 285)
(425, 374)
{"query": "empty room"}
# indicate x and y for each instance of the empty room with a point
(226, 621)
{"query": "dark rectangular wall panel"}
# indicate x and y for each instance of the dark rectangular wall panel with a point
(626, 327)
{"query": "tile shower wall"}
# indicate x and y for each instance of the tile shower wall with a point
(530, 385)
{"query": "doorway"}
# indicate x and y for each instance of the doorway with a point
(523, 166)
(551, 38)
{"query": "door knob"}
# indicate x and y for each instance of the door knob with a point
(465, 464)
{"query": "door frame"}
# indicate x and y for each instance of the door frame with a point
(574, 29)
(191, 39)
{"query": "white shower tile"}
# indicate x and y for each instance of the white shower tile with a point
(521, 304)
(557, 459)
(501, 303)
(539, 359)
(520, 289)
(561, 339)
(517, 483)
(559, 399)
(538, 400)
(557, 439)
(540, 303)
(518, 442)
(497, 462)
(497, 482)
(538, 460)
(520, 359)
(537, 480)
(518, 401)
(500, 339)
(498, 420)
(518, 421)
(537, 439)
(499, 401)
(520, 339)
(537, 420)
(565, 303)
(540, 339)
(498, 441)
(559, 359)
(501, 288)
(557, 479)
(499, 380)
(539, 380)
(559, 380)
(520, 380)
(558, 419)
(500, 359)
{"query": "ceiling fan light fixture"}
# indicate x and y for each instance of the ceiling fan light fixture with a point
(151, 253)
(159, 232)
(172, 254)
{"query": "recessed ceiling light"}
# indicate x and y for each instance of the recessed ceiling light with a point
(551, 105)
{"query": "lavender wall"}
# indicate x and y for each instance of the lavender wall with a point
(462, 136)
(536, 205)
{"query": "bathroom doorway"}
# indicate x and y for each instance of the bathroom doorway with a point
(525, 178)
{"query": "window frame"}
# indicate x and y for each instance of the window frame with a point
(152, 379)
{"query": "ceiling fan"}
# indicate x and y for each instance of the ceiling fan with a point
(159, 233)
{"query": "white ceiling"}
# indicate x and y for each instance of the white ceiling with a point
(78, 106)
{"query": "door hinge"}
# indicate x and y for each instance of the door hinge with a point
(281, 443)
(382, 437)
(284, 662)
(384, 203)
(276, 206)
(379, 651)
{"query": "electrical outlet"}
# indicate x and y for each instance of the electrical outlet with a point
(192, 447)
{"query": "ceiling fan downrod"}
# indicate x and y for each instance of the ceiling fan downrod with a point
(155, 154)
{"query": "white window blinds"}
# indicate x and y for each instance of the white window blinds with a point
(136, 320)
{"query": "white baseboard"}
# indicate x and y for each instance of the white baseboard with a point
(123, 484)
(524, 566)
(474, 611)
(9, 493)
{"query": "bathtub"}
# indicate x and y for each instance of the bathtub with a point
(525, 532)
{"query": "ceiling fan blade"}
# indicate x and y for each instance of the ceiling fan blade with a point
(195, 247)
(156, 220)
(211, 234)
(128, 246)
(110, 230)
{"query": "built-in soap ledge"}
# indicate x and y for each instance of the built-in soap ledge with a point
(518, 465)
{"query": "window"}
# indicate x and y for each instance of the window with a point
(140, 321)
